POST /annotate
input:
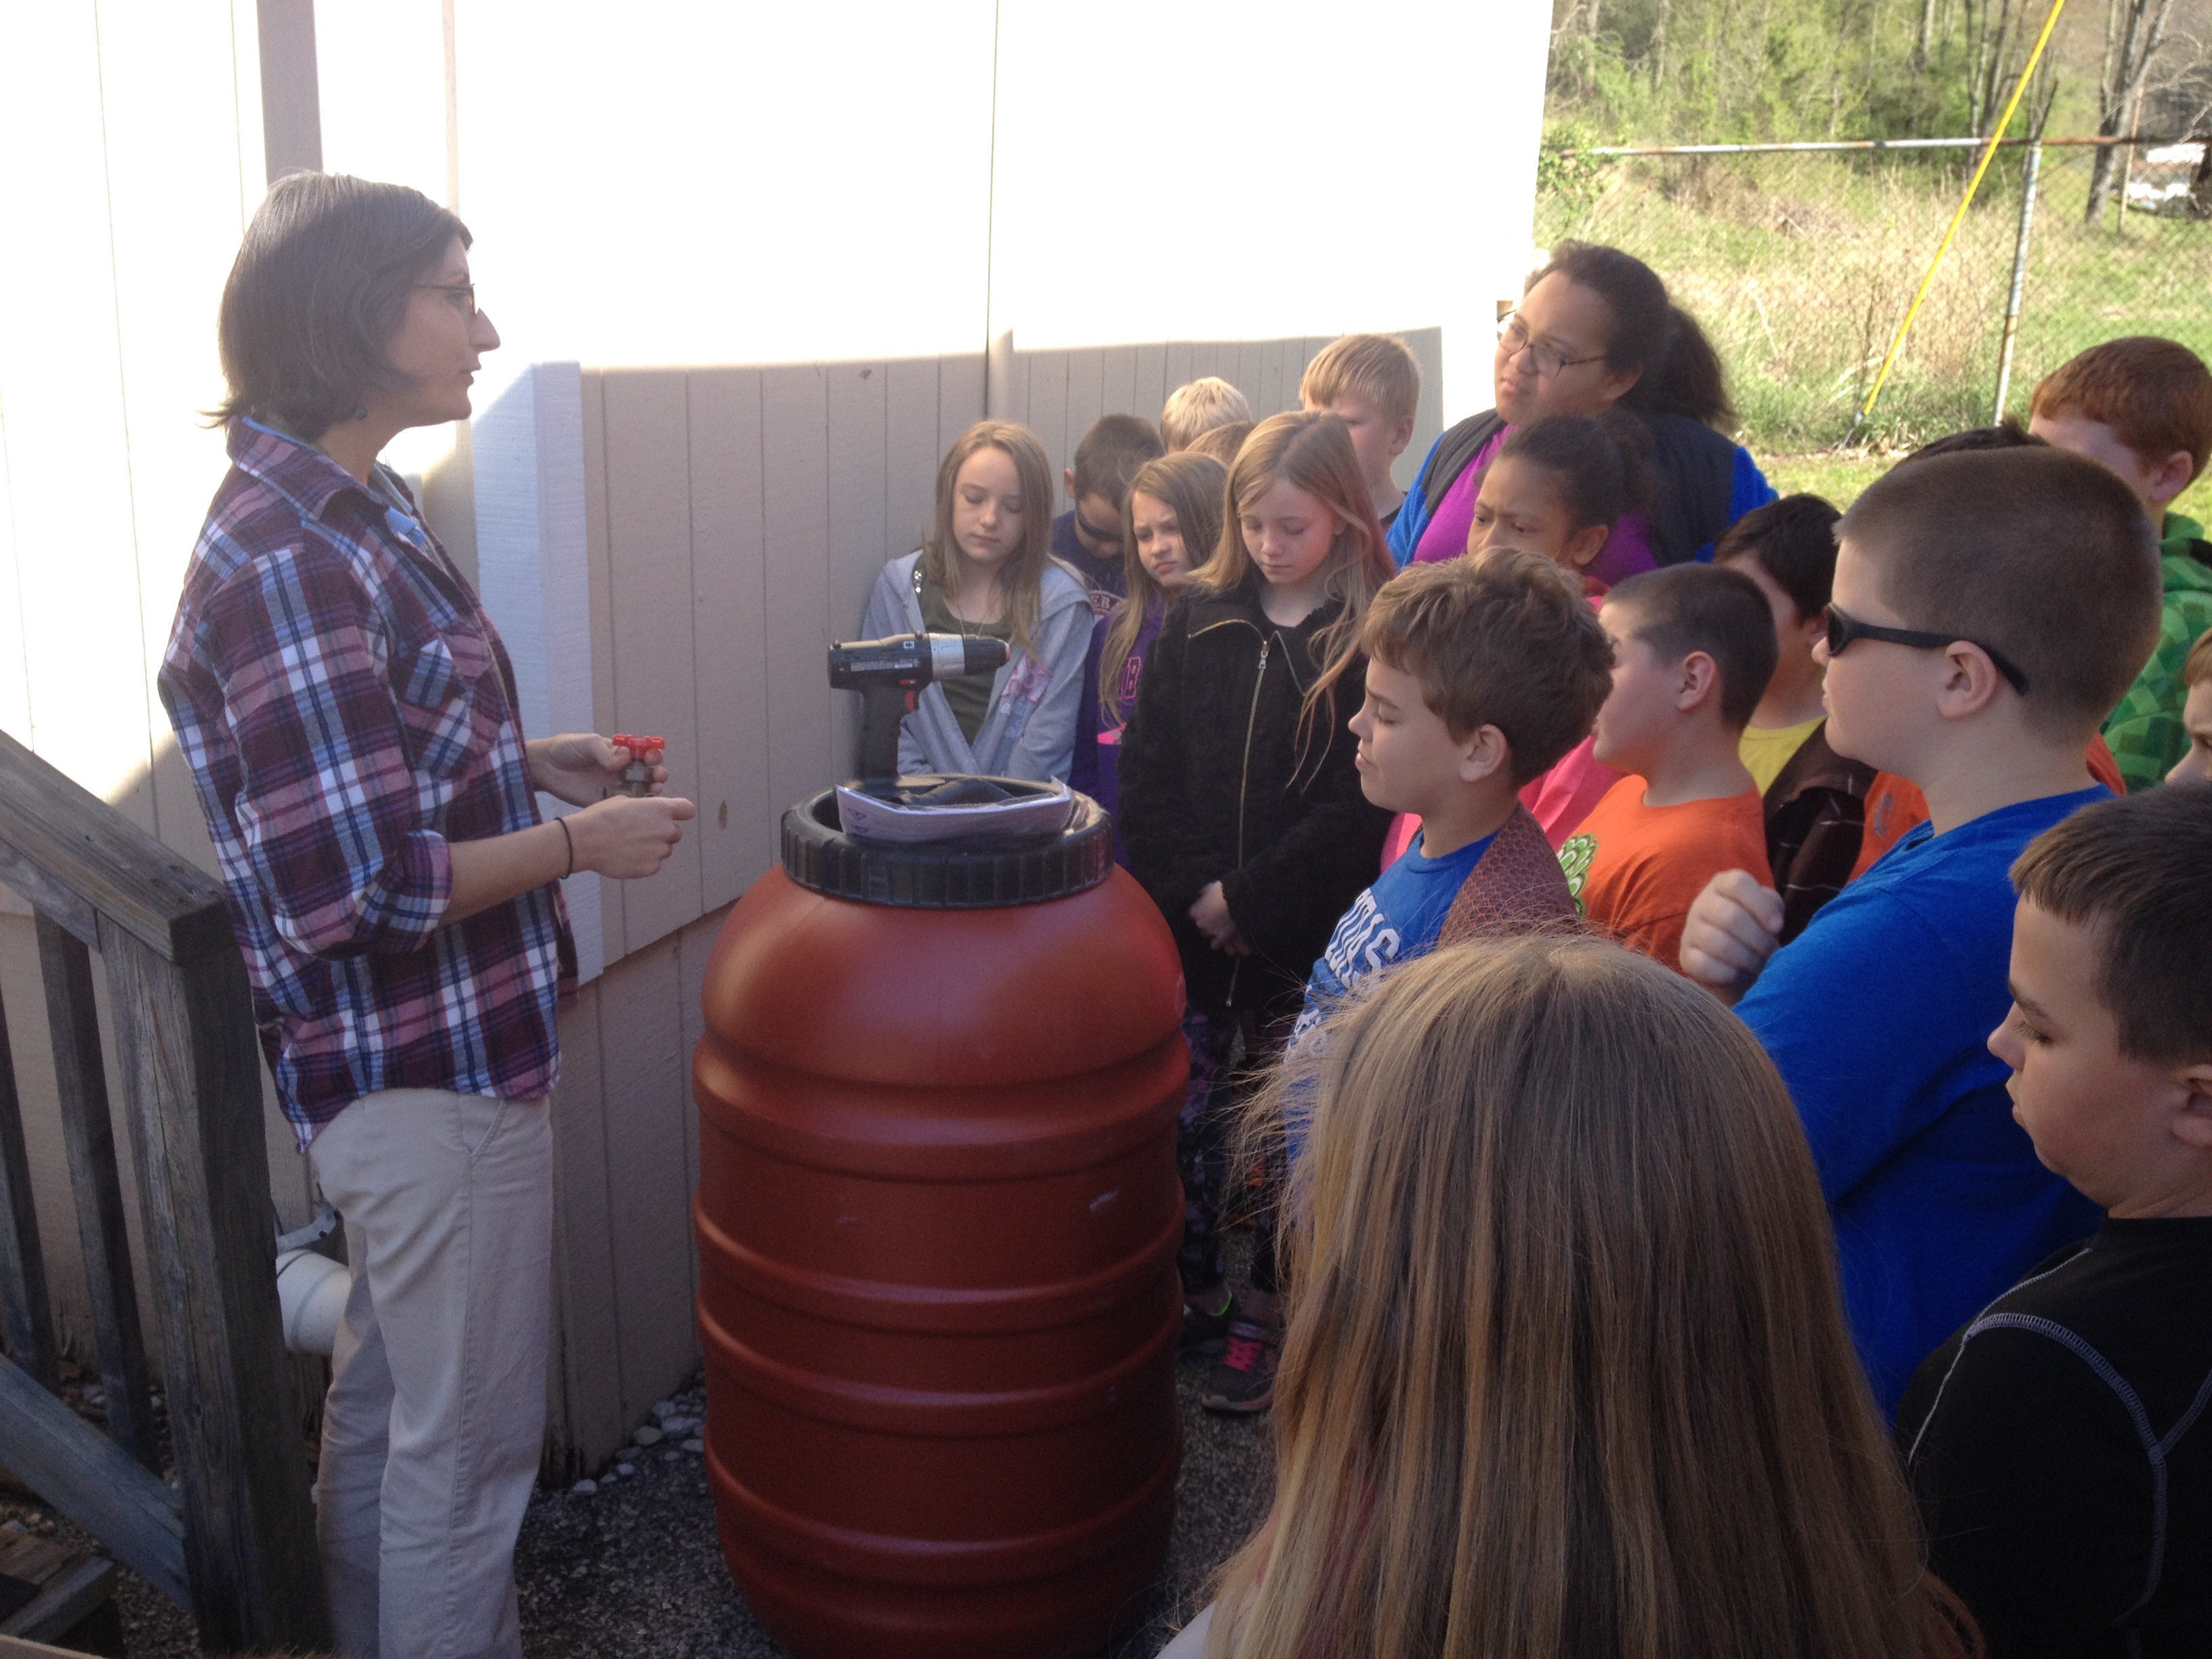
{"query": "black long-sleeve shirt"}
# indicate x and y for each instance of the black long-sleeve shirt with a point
(2060, 1449)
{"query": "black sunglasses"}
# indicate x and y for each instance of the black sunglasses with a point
(1842, 630)
(1105, 537)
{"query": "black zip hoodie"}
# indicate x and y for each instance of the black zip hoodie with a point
(1217, 785)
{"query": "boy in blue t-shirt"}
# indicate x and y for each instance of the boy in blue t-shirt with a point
(1481, 673)
(1989, 607)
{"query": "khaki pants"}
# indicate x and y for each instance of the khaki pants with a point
(432, 1429)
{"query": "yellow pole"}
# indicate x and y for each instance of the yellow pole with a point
(1989, 152)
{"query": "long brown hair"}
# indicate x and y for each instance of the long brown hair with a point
(1022, 576)
(1313, 452)
(1191, 486)
(1565, 1371)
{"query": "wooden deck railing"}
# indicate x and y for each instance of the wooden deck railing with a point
(236, 1540)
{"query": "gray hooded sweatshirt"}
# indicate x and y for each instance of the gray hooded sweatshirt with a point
(1030, 730)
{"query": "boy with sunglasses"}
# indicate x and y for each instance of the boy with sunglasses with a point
(1087, 537)
(1988, 608)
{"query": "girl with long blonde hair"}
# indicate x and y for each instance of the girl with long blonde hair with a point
(1566, 1374)
(987, 569)
(1241, 809)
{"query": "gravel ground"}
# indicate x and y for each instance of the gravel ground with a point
(633, 1569)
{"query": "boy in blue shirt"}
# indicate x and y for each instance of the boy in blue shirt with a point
(1481, 673)
(1989, 607)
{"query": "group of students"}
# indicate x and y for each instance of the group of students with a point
(1589, 677)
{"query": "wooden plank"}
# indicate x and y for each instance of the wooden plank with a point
(97, 1483)
(912, 449)
(960, 397)
(1149, 385)
(1117, 382)
(1248, 376)
(859, 536)
(291, 102)
(1048, 411)
(795, 518)
(1174, 368)
(651, 613)
(1006, 385)
(30, 1320)
(589, 1357)
(71, 1585)
(1087, 396)
(599, 578)
(1274, 359)
(88, 1133)
(64, 840)
(190, 1077)
(729, 628)
(647, 1083)
(14, 1647)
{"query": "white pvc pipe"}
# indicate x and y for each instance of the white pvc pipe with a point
(312, 1291)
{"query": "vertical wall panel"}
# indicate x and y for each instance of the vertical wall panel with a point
(859, 539)
(646, 1092)
(599, 575)
(1117, 389)
(913, 445)
(959, 396)
(1174, 368)
(589, 1356)
(729, 628)
(795, 488)
(1086, 397)
(650, 610)
(1048, 411)
(1149, 388)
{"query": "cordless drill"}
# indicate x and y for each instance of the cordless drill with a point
(889, 674)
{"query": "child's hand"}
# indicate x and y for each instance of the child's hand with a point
(580, 767)
(1210, 910)
(1733, 926)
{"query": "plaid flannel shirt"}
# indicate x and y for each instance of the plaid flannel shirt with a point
(347, 711)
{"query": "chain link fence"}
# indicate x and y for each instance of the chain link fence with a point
(1801, 263)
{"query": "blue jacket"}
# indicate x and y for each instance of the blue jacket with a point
(1707, 483)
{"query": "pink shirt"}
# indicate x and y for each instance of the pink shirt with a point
(1626, 552)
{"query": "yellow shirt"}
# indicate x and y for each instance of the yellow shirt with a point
(1766, 750)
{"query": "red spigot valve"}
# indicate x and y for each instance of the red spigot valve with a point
(637, 776)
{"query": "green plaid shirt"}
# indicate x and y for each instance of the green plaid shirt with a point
(2145, 728)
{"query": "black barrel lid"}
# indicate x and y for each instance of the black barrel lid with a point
(949, 875)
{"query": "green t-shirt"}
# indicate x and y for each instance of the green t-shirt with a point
(969, 696)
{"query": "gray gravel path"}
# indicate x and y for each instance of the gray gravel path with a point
(634, 1568)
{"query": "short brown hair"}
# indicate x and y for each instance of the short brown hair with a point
(2137, 872)
(1222, 442)
(1376, 367)
(1721, 612)
(320, 285)
(1199, 406)
(2156, 395)
(1506, 640)
(1110, 453)
(2037, 554)
(2197, 666)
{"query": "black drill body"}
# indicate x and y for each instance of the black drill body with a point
(889, 674)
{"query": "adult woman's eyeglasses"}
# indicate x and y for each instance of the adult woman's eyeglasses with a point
(464, 295)
(1842, 630)
(1548, 359)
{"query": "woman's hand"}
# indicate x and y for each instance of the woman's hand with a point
(580, 767)
(626, 837)
(1210, 910)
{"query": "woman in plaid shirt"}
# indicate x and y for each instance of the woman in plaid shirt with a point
(348, 715)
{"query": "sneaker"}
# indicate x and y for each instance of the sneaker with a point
(1244, 1378)
(1207, 1333)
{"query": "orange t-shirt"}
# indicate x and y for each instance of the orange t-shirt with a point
(1894, 805)
(1634, 869)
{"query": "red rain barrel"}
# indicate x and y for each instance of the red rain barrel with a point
(938, 1216)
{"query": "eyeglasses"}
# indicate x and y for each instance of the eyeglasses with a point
(1103, 538)
(465, 292)
(1513, 340)
(1842, 630)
